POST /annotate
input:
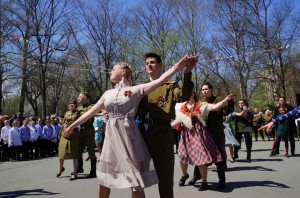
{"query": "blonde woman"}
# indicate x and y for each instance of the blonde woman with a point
(125, 161)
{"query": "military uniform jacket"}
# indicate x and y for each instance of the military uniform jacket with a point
(160, 104)
(82, 109)
(69, 118)
(215, 118)
(244, 123)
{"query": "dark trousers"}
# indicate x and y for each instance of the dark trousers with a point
(4, 152)
(38, 148)
(46, 148)
(33, 150)
(261, 133)
(160, 142)
(177, 135)
(15, 152)
(248, 142)
(25, 149)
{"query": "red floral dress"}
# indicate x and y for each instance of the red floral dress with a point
(196, 146)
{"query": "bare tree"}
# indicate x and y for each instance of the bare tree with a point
(102, 27)
(48, 19)
(275, 26)
(155, 27)
(234, 43)
(6, 67)
(191, 26)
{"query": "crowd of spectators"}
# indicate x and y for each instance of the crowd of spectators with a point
(28, 138)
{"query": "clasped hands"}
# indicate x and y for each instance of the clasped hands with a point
(188, 62)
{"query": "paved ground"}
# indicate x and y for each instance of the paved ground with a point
(268, 177)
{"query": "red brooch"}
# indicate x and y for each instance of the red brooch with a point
(127, 93)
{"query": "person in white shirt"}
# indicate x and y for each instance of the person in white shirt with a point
(4, 140)
(56, 131)
(40, 149)
(25, 137)
(34, 137)
(47, 137)
(14, 140)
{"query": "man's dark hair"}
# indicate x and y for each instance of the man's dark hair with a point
(209, 85)
(86, 94)
(191, 90)
(73, 101)
(282, 97)
(153, 55)
(246, 103)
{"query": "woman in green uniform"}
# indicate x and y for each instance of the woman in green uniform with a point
(69, 147)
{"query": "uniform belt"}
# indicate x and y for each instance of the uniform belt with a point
(85, 127)
(152, 122)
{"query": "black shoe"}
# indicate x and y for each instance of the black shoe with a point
(249, 160)
(236, 157)
(73, 177)
(272, 154)
(59, 174)
(91, 175)
(193, 180)
(182, 180)
(287, 155)
(221, 186)
(79, 171)
(203, 187)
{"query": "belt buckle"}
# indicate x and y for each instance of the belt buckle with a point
(150, 122)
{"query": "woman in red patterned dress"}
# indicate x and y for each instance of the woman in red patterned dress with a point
(196, 146)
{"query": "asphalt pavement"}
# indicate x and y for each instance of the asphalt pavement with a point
(265, 176)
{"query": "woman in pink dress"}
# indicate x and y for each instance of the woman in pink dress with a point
(196, 146)
(125, 161)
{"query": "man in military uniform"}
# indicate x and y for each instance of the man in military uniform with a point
(216, 128)
(243, 126)
(87, 136)
(257, 121)
(159, 105)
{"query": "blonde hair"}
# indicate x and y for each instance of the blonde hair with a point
(128, 71)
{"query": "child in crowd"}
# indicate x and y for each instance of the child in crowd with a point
(282, 132)
(99, 126)
(14, 140)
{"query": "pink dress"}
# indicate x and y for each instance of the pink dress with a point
(196, 146)
(125, 161)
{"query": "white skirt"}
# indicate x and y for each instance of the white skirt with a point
(229, 137)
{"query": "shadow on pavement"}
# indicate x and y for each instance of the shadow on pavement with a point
(245, 184)
(243, 168)
(233, 185)
(20, 193)
(271, 159)
(261, 150)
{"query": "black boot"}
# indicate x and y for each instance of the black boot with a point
(80, 166)
(182, 180)
(221, 175)
(203, 187)
(248, 156)
(235, 153)
(197, 176)
(93, 169)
